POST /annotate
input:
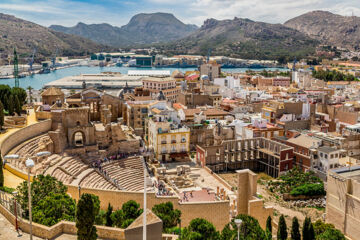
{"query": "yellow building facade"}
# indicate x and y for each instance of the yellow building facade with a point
(169, 141)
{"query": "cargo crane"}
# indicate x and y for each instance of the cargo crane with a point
(53, 60)
(16, 68)
(31, 61)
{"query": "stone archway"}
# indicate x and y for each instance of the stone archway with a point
(78, 139)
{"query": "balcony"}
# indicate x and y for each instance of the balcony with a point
(173, 141)
(183, 140)
(163, 142)
(164, 152)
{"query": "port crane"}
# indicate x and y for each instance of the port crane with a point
(208, 55)
(53, 60)
(31, 61)
(16, 68)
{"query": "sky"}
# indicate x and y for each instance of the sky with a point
(119, 12)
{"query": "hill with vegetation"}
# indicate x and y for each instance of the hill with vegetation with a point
(244, 38)
(26, 36)
(142, 29)
(331, 29)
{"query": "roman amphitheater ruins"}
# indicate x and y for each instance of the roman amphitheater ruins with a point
(92, 151)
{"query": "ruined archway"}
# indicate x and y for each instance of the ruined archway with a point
(78, 139)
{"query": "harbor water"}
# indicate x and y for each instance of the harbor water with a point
(37, 81)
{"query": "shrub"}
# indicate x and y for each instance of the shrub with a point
(311, 189)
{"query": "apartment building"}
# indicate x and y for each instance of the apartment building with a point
(256, 154)
(166, 85)
(170, 141)
(305, 150)
(212, 70)
(136, 112)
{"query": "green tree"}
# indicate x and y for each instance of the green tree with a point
(1, 115)
(311, 231)
(295, 231)
(250, 229)
(308, 230)
(331, 234)
(128, 213)
(20, 93)
(109, 211)
(320, 227)
(268, 224)
(1, 173)
(117, 218)
(11, 105)
(282, 229)
(17, 106)
(86, 212)
(100, 218)
(200, 229)
(167, 213)
(5, 92)
(54, 208)
(41, 187)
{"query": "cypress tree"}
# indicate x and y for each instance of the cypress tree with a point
(295, 232)
(87, 209)
(282, 229)
(109, 221)
(305, 230)
(11, 105)
(17, 105)
(1, 115)
(311, 231)
(268, 224)
(1, 172)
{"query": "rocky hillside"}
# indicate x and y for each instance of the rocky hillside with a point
(142, 29)
(329, 28)
(24, 35)
(244, 38)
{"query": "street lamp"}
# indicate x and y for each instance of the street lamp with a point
(238, 223)
(29, 163)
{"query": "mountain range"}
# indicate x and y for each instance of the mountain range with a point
(142, 29)
(329, 28)
(243, 38)
(26, 36)
(239, 37)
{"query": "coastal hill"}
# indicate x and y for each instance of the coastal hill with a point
(142, 29)
(329, 28)
(243, 38)
(25, 36)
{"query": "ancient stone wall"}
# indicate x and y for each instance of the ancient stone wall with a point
(215, 212)
(24, 134)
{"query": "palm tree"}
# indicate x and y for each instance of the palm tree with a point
(29, 88)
